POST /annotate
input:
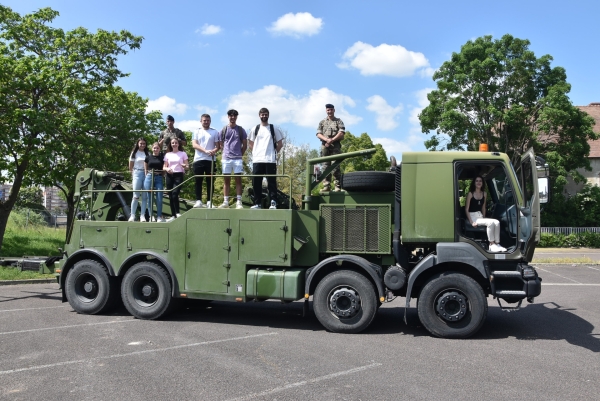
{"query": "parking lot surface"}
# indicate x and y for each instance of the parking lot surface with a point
(268, 351)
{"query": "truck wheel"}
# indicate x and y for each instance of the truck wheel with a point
(89, 289)
(373, 181)
(452, 306)
(345, 302)
(146, 291)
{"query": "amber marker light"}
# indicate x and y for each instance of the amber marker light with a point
(183, 295)
(238, 300)
(306, 296)
(381, 299)
(483, 147)
(57, 271)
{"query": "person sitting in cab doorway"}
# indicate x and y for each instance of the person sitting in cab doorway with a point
(475, 211)
(265, 141)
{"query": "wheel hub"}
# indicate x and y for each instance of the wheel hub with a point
(452, 306)
(344, 303)
(148, 290)
(89, 287)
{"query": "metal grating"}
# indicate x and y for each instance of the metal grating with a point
(355, 229)
(398, 183)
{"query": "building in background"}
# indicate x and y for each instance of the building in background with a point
(593, 176)
(52, 200)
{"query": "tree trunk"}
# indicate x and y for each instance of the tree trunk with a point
(6, 207)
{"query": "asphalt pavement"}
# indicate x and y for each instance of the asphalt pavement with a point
(267, 351)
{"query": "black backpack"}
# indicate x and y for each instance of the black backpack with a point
(272, 134)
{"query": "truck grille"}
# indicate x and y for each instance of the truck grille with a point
(355, 229)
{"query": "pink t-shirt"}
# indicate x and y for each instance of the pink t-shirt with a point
(176, 161)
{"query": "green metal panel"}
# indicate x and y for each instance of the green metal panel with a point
(306, 229)
(263, 241)
(207, 255)
(95, 236)
(427, 202)
(148, 238)
(355, 229)
(287, 285)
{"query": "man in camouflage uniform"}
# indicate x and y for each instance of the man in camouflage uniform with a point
(331, 131)
(171, 132)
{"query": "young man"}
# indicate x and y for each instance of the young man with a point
(265, 141)
(204, 142)
(331, 131)
(233, 141)
(171, 132)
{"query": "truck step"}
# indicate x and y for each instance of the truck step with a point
(507, 293)
(510, 273)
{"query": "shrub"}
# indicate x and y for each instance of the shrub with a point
(586, 240)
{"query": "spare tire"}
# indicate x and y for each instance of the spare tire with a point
(362, 181)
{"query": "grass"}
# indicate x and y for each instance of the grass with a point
(12, 273)
(33, 241)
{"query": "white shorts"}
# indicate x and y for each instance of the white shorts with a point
(236, 166)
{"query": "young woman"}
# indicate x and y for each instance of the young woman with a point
(475, 211)
(136, 166)
(176, 162)
(154, 165)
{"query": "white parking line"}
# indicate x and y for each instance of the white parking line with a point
(566, 278)
(67, 327)
(305, 382)
(148, 351)
(593, 268)
(570, 284)
(45, 307)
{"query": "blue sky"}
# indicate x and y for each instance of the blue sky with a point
(372, 59)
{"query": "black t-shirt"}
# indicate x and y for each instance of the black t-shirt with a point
(476, 205)
(155, 162)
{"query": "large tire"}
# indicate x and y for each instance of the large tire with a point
(373, 181)
(452, 305)
(345, 302)
(146, 291)
(89, 289)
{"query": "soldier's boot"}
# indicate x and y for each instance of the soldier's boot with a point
(337, 186)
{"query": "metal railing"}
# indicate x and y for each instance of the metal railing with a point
(569, 230)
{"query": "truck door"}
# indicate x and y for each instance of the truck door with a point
(207, 255)
(529, 222)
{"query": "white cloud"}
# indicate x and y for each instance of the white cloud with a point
(166, 105)
(421, 96)
(391, 60)
(205, 109)
(208, 29)
(188, 125)
(386, 114)
(393, 147)
(304, 111)
(296, 25)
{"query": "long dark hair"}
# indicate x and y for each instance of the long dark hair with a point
(170, 148)
(136, 147)
(472, 187)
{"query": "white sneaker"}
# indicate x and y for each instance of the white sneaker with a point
(178, 215)
(494, 248)
(132, 217)
(160, 220)
(209, 205)
(170, 219)
(256, 207)
(225, 205)
(198, 204)
(501, 248)
(273, 205)
(238, 205)
(142, 218)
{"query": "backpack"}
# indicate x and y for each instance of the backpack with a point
(272, 134)
(224, 130)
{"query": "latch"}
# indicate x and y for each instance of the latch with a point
(227, 248)
(228, 230)
(226, 282)
(284, 228)
(227, 265)
(283, 256)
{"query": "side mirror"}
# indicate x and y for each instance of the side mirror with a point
(544, 189)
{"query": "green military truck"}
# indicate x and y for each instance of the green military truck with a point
(391, 234)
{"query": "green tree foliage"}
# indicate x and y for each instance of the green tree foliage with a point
(497, 92)
(292, 161)
(59, 106)
(375, 162)
(28, 196)
(580, 210)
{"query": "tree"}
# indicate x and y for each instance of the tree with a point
(497, 92)
(28, 196)
(292, 161)
(375, 162)
(53, 85)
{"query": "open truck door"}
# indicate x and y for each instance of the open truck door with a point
(529, 212)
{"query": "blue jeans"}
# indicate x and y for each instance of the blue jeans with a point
(138, 183)
(158, 196)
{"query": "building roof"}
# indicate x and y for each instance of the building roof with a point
(593, 109)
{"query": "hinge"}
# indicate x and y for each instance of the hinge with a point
(129, 247)
(226, 282)
(227, 248)
(284, 228)
(283, 256)
(228, 230)
(227, 265)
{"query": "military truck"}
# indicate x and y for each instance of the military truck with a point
(399, 233)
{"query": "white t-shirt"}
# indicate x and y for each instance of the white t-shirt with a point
(206, 139)
(263, 150)
(138, 160)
